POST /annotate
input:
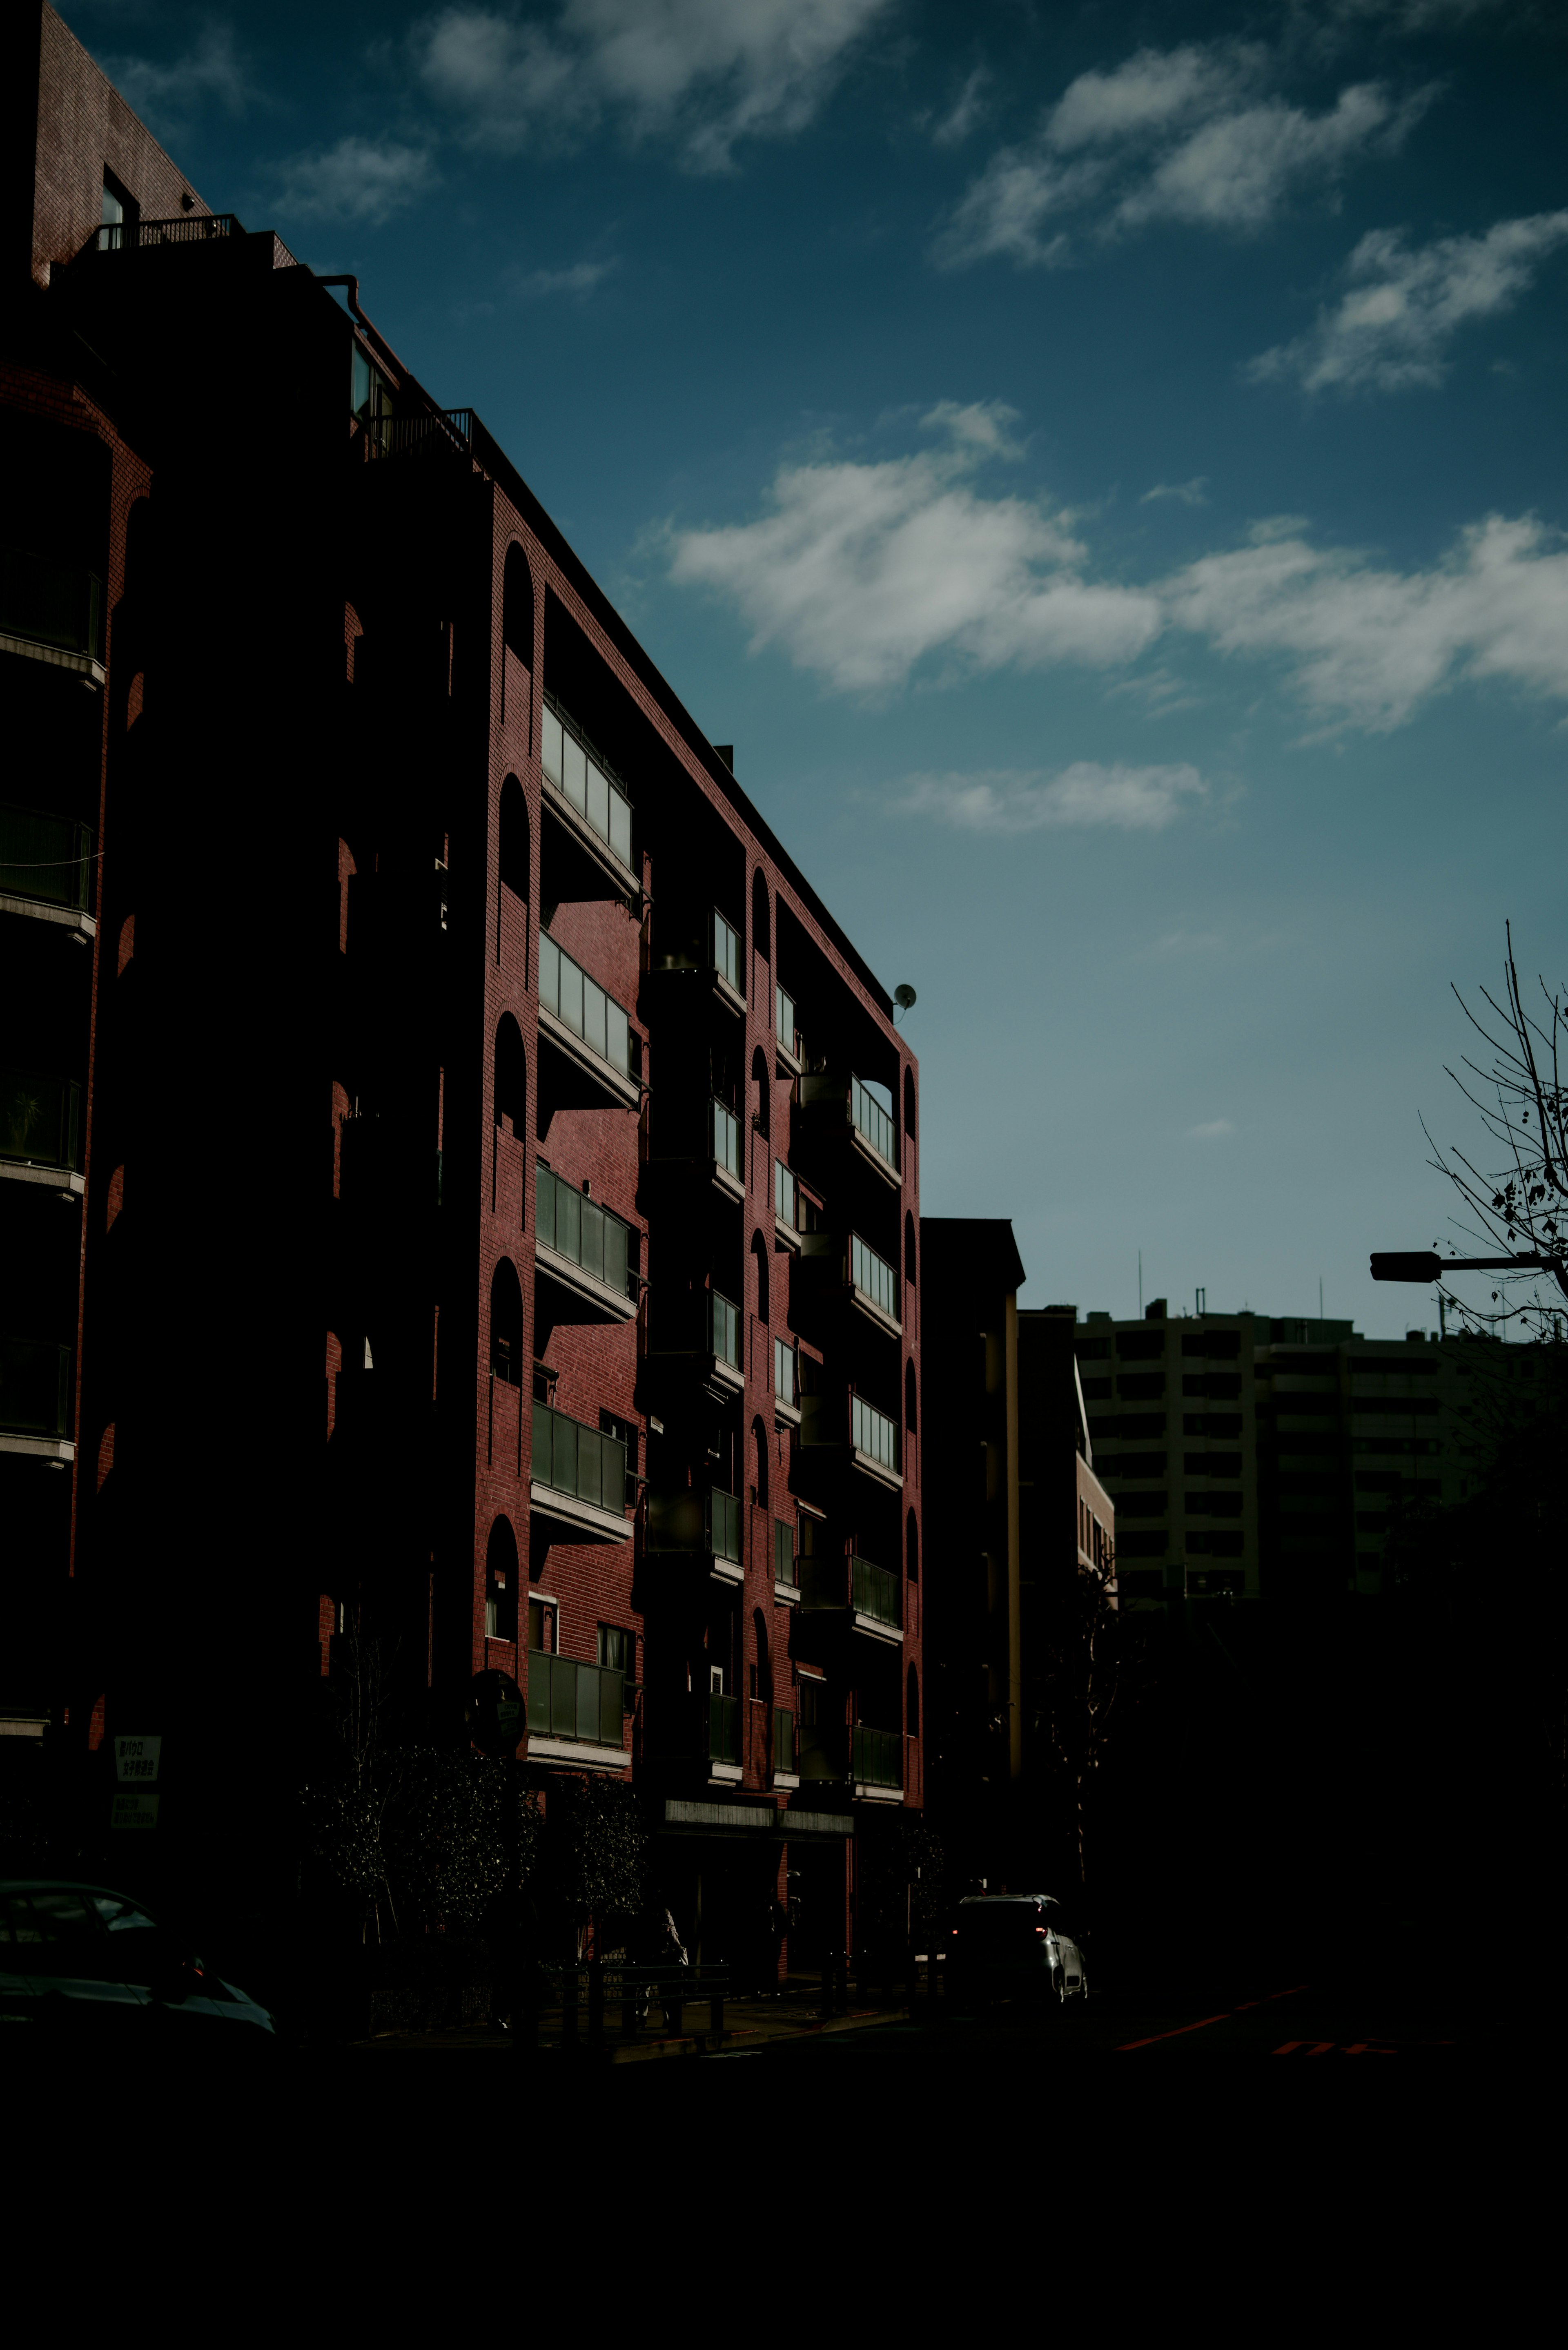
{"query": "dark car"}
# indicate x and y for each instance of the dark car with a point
(79, 1962)
(1015, 1945)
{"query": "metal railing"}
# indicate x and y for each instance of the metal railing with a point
(579, 1228)
(583, 781)
(568, 1700)
(874, 1277)
(723, 1728)
(726, 952)
(873, 1433)
(783, 1021)
(35, 1387)
(583, 1461)
(582, 1005)
(784, 1207)
(784, 1387)
(874, 1591)
(725, 1128)
(724, 1329)
(783, 1739)
(51, 603)
(724, 1525)
(185, 228)
(48, 857)
(785, 1569)
(876, 1757)
(871, 1120)
(438, 432)
(40, 1118)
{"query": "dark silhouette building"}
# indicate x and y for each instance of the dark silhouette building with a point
(458, 1181)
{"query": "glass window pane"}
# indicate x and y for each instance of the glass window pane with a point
(569, 1221)
(549, 973)
(598, 801)
(542, 1464)
(618, 1038)
(617, 1254)
(588, 1465)
(564, 1453)
(613, 1472)
(593, 1257)
(571, 995)
(544, 1207)
(550, 746)
(563, 1697)
(574, 772)
(610, 1706)
(620, 826)
(594, 1016)
(587, 1713)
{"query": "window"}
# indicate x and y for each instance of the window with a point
(783, 1371)
(873, 1276)
(784, 1194)
(724, 1329)
(784, 1570)
(726, 952)
(873, 1433)
(616, 1649)
(783, 1019)
(726, 1138)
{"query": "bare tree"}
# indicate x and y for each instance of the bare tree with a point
(1521, 1205)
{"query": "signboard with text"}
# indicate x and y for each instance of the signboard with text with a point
(136, 1760)
(137, 1809)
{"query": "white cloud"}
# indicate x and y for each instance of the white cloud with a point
(1194, 493)
(211, 73)
(1212, 1132)
(967, 109)
(862, 570)
(1390, 330)
(705, 72)
(364, 180)
(1129, 799)
(576, 283)
(1365, 645)
(1187, 134)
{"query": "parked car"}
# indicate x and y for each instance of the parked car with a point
(1015, 1944)
(79, 1962)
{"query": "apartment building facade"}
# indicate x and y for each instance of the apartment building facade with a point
(484, 1173)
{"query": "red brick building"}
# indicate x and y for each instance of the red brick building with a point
(456, 1176)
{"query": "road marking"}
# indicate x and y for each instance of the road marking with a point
(1204, 2021)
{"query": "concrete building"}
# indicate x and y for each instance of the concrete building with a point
(458, 1181)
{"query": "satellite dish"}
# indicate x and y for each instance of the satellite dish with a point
(904, 997)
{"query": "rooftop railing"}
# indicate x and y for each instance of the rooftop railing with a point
(876, 1757)
(580, 1460)
(579, 1228)
(429, 430)
(48, 602)
(583, 781)
(568, 1700)
(582, 1005)
(39, 1117)
(874, 1591)
(48, 857)
(186, 228)
(35, 1387)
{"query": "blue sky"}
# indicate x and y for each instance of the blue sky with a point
(1103, 467)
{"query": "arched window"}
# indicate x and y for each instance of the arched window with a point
(506, 1324)
(912, 1547)
(511, 1077)
(762, 921)
(761, 1301)
(514, 839)
(763, 1089)
(909, 1249)
(912, 1704)
(760, 1463)
(501, 1580)
(909, 1399)
(517, 605)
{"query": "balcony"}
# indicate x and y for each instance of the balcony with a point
(786, 1573)
(870, 1437)
(52, 612)
(728, 984)
(587, 800)
(786, 1385)
(584, 1249)
(877, 1762)
(724, 1369)
(575, 1713)
(788, 1042)
(725, 1142)
(784, 1772)
(873, 1286)
(698, 1524)
(876, 1601)
(39, 1122)
(834, 1102)
(588, 1029)
(724, 1738)
(45, 869)
(579, 1480)
(786, 1208)
(36, 1398)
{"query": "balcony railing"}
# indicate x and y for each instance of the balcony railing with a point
(584, 784)
(873, 1433)
(582, 1005)
(38, 1119)
(871, 1120)
(188, 228)
(785, 1569)
(876, 1757)
(723, 1728)
(784, 1387)
(426, 432)
(35, 1387)
(724, 1329)
(47, 858)
(726, 952)
(696, 1520)
(783, 1194)
(874, 1277)
(725, 1129)
(568, 1700)
(783, 1021)
(874, 1591)
(783, 1739)
(582, 1462)
(50, 603)
(579, 1228)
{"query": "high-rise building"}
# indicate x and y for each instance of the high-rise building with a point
(458, 1181)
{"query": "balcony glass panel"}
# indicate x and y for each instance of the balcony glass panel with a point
(550, 746)
(876, 1591)
(873, 1276)
(724, 1526)
(878, 1757)
(587, 783)
(598, 800)
(572, 1459)
(568, 1700)
(783, 1739)
(783, 1371)
(726, 1129)
(35, 1387)
(38, 1119)
(784, 1019)
(873, 1121)
(723, 1728)
(724, 1329)
(784, 1552)
(582, 1005)
(726, 951)
(45, 856)
(574, 772)
(872, 1432)
(784, 1194)
(48, 602)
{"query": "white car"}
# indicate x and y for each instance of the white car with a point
(1017, 1943)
